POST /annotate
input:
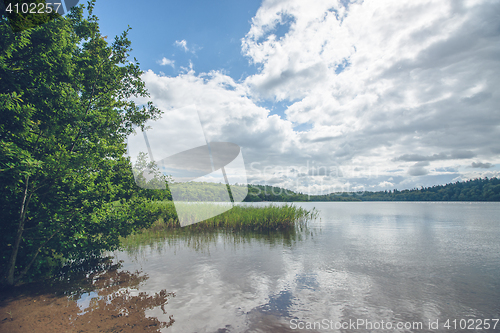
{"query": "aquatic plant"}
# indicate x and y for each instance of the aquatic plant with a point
(283, 221)
(271, 217)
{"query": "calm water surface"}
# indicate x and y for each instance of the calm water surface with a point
(394, 262)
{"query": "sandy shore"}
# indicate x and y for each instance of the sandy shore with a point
(110, 306)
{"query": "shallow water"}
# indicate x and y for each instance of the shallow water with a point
(369, 263)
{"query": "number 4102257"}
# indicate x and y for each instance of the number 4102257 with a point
(33, 8)
(471, 324)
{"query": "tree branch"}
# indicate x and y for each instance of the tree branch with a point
(25, 270)
(88, 109)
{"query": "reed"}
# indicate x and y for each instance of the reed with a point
(273, 223)
(272, 217)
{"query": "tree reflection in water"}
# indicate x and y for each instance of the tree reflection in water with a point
(113, 302)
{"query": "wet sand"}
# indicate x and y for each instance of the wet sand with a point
(111, 307)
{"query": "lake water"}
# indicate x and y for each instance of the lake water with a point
(382, 264)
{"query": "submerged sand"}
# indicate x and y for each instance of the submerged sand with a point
(112, 305)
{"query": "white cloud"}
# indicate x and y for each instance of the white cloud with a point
(182, 44)
(393, 78)
(225, 110)
(166, 62)
(382, 84)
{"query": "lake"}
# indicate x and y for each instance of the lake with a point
(382, 264)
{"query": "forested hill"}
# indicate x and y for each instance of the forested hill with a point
(472, 190)
(271, 193)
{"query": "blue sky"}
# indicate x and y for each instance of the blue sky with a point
(212, 31)
(332, 94)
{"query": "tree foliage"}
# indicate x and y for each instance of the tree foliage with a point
(156, 187)
(258, 193)
(65, 100)
(472, 190)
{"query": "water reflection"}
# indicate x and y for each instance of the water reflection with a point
(208, 270)
(203, 241)
(95, 297)
(391, 262)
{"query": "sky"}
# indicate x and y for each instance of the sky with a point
(328, 96)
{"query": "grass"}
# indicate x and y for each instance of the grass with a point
(272, 217)
(263, 219)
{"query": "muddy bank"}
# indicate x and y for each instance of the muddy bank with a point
(102, 300)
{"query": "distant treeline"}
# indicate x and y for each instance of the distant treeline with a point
(258, 193)
(472, 190)
(484, 189)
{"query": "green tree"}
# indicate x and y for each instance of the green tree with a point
(65, 101)
(155, 187)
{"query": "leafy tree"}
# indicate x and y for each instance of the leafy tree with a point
(156, 186)
(65, 100)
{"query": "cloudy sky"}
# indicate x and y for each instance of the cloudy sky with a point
(329, 95)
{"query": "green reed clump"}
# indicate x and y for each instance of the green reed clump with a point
(272, 217)
(262, 220)
(265, 218)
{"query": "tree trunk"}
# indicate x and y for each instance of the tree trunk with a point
(25, 270)
(11, 267)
